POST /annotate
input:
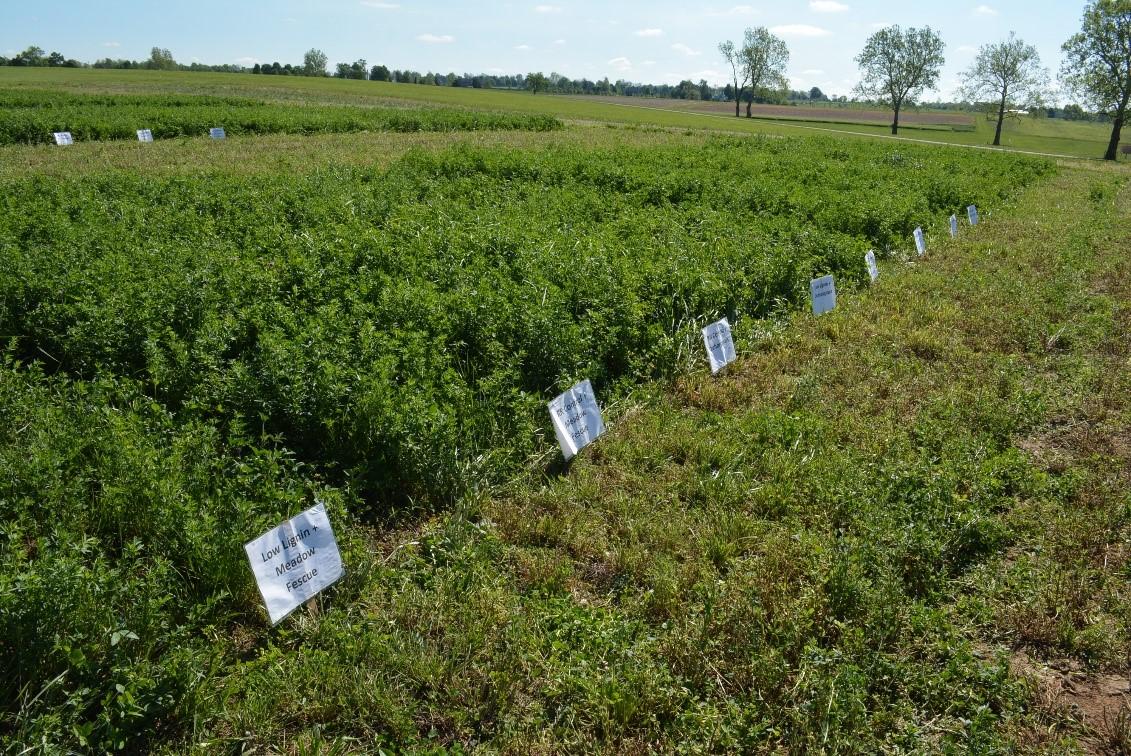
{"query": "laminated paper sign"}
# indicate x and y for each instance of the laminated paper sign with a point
(217, 133)
(144, 135)
(63, 138)
(870, 261)
(577, 419)
(295, 561)
(823, 293)
(920, 242)
(953, 226)
(720, 344)
(972, 215)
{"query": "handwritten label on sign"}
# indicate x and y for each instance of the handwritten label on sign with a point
(920, 241)
(822, 291)
(144, 135)
(295, 561)
(63, 138)
(954, 227)
(577, 419)
(217, 134)
(870, 261)
(972, 215)
(720, 345)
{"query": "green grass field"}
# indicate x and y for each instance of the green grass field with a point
(903, 526)
(1037, 135)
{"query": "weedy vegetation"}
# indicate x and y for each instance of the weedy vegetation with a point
(877, 531)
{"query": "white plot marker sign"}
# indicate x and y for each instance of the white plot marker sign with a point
(577, 419)
(822, 291)
(720, 345)
(295, 561)
(920, 241)
(954, 227)
(63, 138)
(217, 134)
(144, 135)
(972, 215)
(870, 261)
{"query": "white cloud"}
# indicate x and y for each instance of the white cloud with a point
(436, 39)
(682, 48)
(967, 49)
(547, 9)
(880, 24)
(800, 30)
(247, 60)
(812, 72)
(827, 6)
(621, 64)
(984, 10)
(648, 63)
(559, 41)
(111, 44)
(523, 48)
(380, 5)
(650, 33)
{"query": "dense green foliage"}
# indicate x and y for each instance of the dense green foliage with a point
(190, 359)
(399, 326)
(32, 116)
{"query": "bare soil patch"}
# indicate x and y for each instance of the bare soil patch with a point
(802, 112)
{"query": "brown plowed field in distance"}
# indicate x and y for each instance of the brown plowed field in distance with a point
(803, 112)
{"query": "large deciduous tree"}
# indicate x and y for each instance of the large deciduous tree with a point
(1009, 74)
(896, 66)
(314, 63)
(1097, 63)
(738, 70)
(764, 57)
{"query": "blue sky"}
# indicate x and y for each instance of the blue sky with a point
(657, 41)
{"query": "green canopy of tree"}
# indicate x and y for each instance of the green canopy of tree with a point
(897, 66)
(1097, 63)
(1007, 73)
(314, 62)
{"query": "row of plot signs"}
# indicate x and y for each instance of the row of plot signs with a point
(577, 416)
(299, 558)
(296, 560)
(64, 138)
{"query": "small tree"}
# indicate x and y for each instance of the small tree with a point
(160, 59)
(314, 63)
(815, 94)
(764, 57)
(536, 82)
(896, 66)
(1097, 63)
(738, 71)
(33, 56)
(1010, 72)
